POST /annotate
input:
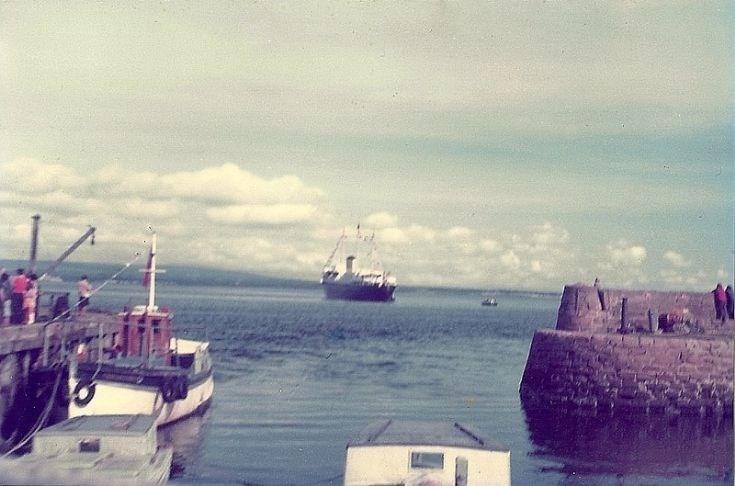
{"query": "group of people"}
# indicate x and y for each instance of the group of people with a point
(19, 296)
(724, 306)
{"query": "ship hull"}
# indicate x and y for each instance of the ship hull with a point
(365, 293)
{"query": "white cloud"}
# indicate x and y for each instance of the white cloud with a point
(676, 259)
(510, 260)
(548, 235)
(536, 266)
(622, 253)
(459, 232)
(275, 214)
(27, 175)
(229, 183)
(490, 246)
(380, 220)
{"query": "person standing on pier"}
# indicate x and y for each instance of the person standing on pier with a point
(730, 304)
(30, 297)
(18, 287)
(5, 296)
(85, 290)
(720, 303)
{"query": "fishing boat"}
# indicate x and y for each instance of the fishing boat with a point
(89, 450)
(415, 453)
(489, 300)
(152, 371)
(345, 276)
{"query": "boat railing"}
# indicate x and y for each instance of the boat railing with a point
(49, 334)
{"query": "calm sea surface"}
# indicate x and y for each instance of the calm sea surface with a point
(297, 376)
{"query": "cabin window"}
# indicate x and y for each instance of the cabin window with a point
(89, 445)
(427, 460)
(156, 323)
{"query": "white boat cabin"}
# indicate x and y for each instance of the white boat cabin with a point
(103, 449)
(413, 453)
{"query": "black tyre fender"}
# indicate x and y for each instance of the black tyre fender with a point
(182, 387)
(168, 390)
(83, 393)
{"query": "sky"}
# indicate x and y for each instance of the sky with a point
(516, 145)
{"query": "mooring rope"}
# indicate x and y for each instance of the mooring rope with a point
(41, 422)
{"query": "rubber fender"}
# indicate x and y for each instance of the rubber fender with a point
(83, 393)
(182, 387)
(168, 390)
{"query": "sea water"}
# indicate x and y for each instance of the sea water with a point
(297, 376)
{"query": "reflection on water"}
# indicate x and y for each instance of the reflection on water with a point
(627, 445)
(186, 437)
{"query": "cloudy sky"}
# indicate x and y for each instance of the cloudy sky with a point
(512, 145)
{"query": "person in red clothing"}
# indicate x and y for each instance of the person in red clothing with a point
(720, 303)
(18, 286)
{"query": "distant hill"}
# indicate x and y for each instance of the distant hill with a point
(183, 275)
(188, 275)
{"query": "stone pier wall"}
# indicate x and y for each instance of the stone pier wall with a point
(638, 373)
(608, 355)
(596, 309)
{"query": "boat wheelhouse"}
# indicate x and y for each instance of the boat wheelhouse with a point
(413, 453)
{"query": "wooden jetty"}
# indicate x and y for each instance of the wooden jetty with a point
(34, 362)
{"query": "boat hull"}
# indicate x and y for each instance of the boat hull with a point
(366, 293)
(120, 397)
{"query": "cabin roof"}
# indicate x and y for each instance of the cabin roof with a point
(109, 424)
(451, 434)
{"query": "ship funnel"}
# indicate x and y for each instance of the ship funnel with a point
(350, 259)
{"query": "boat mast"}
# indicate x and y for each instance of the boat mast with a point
(152, 275)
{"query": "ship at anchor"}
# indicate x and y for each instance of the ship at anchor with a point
(349, 276)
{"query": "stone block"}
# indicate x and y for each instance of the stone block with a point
(686, 368)
(666, 376)
(586, 402)
(699, 376)
(690, 390)
(647, 341)
(657, 406)
(692, 408)
(657, 389)
(626, 405)
(627, 375)
(721, 348)
(629, 392)
(697, 344)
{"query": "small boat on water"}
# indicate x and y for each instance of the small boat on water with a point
(489, 300)
(412, 453)
(91, 450)
(344, 277)
(153, 371)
